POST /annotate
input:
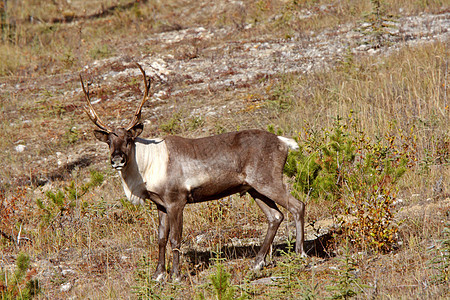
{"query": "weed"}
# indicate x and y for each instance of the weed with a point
(195, 123)
(173, 125)
(357, 176)
(68, 59)
(100, 52)
(378, 25)
(289, 284)
(219, 128)
(281, 95)
(220, 282)
(346, 284)
(441, 261)
(20, 284)
(71, 136)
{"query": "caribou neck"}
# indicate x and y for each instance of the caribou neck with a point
(132, 180)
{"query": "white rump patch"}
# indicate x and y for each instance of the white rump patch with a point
(291, 143)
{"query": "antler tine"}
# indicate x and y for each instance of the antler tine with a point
(90, 111)
(137, 114)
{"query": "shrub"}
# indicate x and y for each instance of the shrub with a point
(61, 203)
(288, 283)
(20, 284)
(356, 176)
(221, 283)
(441, 260)
(346, 284)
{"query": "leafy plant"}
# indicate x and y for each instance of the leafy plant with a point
(147, 288)
(281, 95)
(61, 203)
(173, 125)
(195, 123)
(441, 261)
(71, 135)
(103, 51)
(20, 284)
(377, 25)
(289, 284)
(358, 177)
(220, 282)
(68, 59)
(346, 283)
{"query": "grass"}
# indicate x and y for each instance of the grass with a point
(104, 241)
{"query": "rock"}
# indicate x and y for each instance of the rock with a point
(20, 148)
(266, 281)
(65, 287)
(66, 272)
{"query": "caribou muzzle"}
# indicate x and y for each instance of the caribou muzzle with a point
(118, 161)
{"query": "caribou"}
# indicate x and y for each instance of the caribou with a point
(174, 171)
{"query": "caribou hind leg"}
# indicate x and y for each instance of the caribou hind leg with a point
(278, 194)
(274, 218)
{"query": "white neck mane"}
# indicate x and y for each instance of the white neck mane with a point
(145, 170)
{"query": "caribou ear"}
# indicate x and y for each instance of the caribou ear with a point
(136, 130)
(101, 135)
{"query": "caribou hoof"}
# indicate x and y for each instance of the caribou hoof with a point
(259, 266)
(159, 276)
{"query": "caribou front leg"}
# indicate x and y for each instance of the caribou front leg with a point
(163, 233)
(175, 215)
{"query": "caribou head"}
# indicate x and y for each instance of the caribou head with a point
(119, 140)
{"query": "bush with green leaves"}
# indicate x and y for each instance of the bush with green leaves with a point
(288, 283)
(220, 283)
(146, 287)
(62, 202)
(378, 25)
(346, 283)
(20, 284)
(356, 176)
(441, 259)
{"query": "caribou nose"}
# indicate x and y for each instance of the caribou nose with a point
(118, 162)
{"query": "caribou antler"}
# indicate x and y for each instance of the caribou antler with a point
(137, 114)
(90, 111)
